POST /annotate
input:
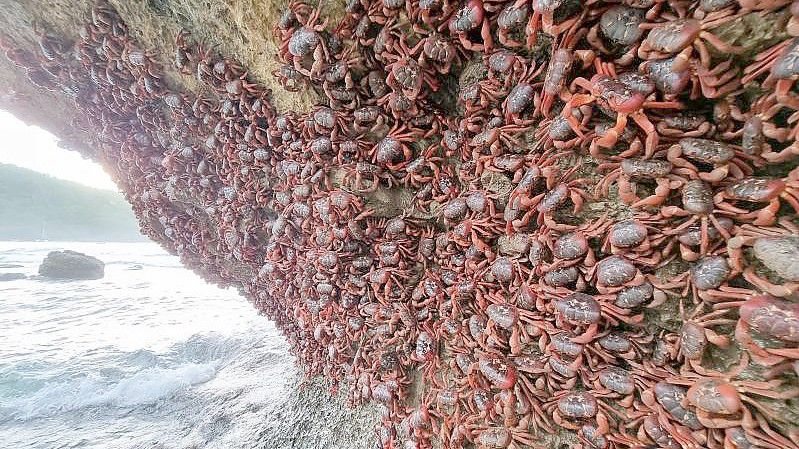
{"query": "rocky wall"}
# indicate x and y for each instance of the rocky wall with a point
(567, 226)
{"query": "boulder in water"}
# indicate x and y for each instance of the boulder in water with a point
(11, 276)
(71, 265)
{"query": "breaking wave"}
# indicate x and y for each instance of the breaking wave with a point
(144, 387)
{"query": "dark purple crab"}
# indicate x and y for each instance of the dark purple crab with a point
(471, 18)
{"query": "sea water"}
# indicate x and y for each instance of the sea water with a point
(150, 356)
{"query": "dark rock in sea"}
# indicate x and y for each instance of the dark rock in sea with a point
(11, 276)
(11, 265)
(71, 265)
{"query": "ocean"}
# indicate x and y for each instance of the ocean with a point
(151, 356)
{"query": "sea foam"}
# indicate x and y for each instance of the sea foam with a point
(145, 387)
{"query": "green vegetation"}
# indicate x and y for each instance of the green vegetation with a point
(35, 206)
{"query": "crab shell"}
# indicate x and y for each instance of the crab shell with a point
(771, 316)
(715, 396)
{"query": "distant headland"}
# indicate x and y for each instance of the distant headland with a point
(34, 206)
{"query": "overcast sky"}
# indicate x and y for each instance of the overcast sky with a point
(34, 148)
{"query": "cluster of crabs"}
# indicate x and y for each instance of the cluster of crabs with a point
(508, 223)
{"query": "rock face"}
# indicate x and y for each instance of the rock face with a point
(71, 265)
(432, 235)
(311, 417)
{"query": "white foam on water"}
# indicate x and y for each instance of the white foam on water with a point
(145, 387)
(148, 358)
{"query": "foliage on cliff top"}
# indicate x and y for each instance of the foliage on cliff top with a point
(33, 205)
